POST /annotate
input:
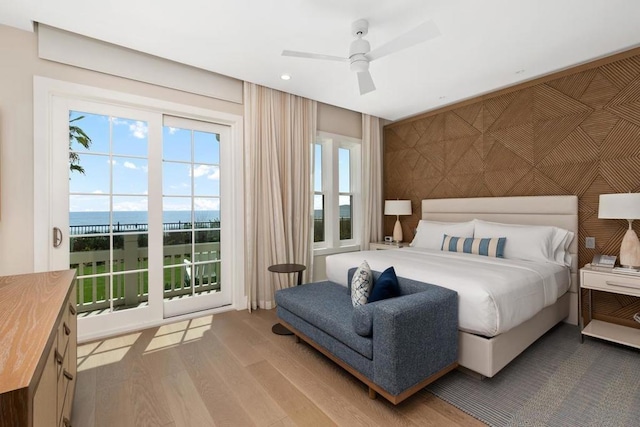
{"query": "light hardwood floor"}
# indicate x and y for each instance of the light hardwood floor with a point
(229, 369)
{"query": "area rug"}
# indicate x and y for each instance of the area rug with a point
(557, 381)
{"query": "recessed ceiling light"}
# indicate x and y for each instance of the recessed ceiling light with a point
(285, 77)
(519, 71)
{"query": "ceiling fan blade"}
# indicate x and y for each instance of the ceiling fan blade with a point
(365, 82)
(313, 56)
(423, 32)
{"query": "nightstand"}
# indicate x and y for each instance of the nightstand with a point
(380, 246)
(609, 280)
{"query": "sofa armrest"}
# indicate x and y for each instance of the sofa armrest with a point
(414, 336)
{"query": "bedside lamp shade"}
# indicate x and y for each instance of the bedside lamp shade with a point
(397, 208)
(623, 206)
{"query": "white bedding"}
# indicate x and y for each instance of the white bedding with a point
(494, 294)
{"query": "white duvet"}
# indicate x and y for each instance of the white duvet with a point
(494, 294)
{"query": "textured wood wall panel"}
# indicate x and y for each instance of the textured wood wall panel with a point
(577, 134)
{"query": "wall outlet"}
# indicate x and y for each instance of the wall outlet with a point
(590, 243)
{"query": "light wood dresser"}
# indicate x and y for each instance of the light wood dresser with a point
(38, 346)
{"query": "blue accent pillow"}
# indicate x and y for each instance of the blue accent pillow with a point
(493, 247)
(385, 286)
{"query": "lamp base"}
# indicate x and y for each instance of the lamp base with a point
(397, 231)
(630, 250)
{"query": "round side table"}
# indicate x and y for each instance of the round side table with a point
(278, 328)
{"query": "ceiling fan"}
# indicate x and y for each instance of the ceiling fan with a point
(360, 53)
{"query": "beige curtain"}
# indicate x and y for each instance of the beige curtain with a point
(279, 131)
(371, 181)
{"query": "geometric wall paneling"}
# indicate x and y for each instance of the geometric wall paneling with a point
(517, 112)
(471, 114)
(622, 72)
(550, 132)
(421, 125)
(544, 185)
(550, 103)
(625, 104)
(455, 127)
(577, 133)
(599, 124)
(518, 139)
(599, 92)
(434, 154)
(455, 149)
(494, 107)
(573, 85)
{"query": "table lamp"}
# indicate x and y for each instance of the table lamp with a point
(623, 206)
(397, 208)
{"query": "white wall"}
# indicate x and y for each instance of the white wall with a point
(18, 64)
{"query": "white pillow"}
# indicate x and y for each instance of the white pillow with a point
(431, 233)
(361, 284)
(561, 241)
(527, 242)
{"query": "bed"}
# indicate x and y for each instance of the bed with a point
(498, 323)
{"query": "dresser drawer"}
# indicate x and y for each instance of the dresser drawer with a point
(609, 282)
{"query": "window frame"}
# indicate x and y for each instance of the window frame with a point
(331, 143)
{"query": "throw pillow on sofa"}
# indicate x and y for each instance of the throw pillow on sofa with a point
(385, 286)
(361, 284)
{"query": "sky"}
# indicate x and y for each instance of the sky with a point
(344, 178)
(116, 162)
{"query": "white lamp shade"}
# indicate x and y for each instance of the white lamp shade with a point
(397, 207)
(619, 206)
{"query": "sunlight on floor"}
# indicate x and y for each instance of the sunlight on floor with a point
(104, 352)
(178, 333)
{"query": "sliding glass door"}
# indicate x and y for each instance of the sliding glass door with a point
(139, 196)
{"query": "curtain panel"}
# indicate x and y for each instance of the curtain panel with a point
(280, 129)
(371, 181)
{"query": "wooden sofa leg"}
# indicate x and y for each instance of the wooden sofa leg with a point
(297, 339)
(372, 393)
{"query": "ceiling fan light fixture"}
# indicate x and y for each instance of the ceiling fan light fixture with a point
(359, 63)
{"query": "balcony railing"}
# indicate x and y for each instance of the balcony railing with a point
(181, 275)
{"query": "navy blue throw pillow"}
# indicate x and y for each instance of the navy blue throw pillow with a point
(385, 286)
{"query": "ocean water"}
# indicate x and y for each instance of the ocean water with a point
(137, 217)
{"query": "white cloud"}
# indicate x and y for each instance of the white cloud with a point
(130, 205)
(118, 122)
(97, 192)
(130, 165)
(206, 204)
(211, 172)
(145, 169)
(172, 131)
(139, 129)
(112, 162)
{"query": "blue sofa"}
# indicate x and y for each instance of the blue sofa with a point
(395, 346)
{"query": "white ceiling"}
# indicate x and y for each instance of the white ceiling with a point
(483, 43)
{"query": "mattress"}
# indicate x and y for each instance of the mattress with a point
(494, 294)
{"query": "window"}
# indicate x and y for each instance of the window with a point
(336, 187)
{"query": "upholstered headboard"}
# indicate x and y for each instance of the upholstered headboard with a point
(561, 211)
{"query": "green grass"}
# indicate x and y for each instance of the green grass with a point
(88, 284)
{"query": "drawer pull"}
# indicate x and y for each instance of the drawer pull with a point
(66, 422)
(67, 329)
(59, 358)
(72, 309)
(622, 285)
(67, 375)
